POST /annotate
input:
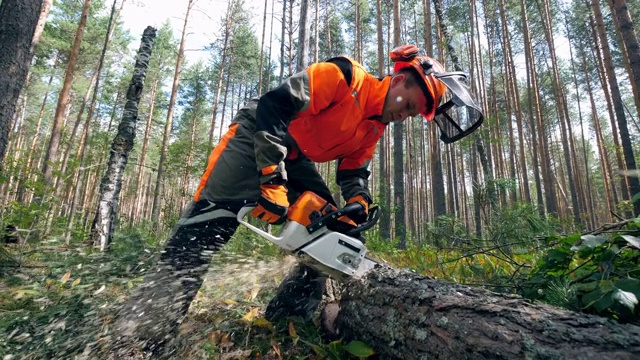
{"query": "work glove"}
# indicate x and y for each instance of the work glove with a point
(359, 216)
(272, 204)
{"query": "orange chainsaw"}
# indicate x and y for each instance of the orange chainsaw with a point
(322, 237)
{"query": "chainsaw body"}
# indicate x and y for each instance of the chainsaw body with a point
(307, 234)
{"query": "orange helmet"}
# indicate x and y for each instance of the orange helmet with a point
(450, 103)
(406, 56)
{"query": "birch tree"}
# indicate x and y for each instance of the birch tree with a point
(111, 183)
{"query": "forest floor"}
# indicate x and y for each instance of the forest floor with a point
(51, 310)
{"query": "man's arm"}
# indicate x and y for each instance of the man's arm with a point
(353, 174)
(303, 94)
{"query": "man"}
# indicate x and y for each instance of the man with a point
(333, 110)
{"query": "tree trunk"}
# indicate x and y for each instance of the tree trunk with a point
(627, 147)
(303, 37)
(586, 192)
(228, 33)
(284, 26)
(18, 22)
(264, 30)
(140, 194)
(155, 212)
(101, 231)
(64, 98)
(562, 113)
(82, 147)
(398, 154)
(406, 316)
(629, 40)
(383, 189)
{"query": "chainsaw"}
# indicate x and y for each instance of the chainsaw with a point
(321, 236)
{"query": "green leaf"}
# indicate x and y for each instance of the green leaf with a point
(604, 303)
(630, 285)
(360, 349)
(635, 198)
(590, 286)
(625, 298)
(606, 285)
(592, 297)
(592, 240)
(632, 240)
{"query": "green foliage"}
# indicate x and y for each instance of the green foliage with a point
(595, 273)
(517, 225)
(444, 230)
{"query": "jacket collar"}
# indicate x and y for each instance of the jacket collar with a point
(377, 92)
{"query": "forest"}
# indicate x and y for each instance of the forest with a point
(98, 160)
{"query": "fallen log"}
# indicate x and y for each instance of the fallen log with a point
(406, 316)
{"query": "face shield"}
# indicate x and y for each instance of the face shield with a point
(459, 115)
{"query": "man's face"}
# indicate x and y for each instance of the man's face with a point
(401, 101)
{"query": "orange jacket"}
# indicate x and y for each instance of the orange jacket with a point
(329, 111)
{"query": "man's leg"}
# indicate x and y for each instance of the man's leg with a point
(301, 291)
(155, 310)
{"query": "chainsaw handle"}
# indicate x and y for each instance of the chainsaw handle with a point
(240, 217)
(372, 218)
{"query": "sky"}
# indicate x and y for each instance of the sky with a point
(204, 20)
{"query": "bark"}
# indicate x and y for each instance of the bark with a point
(44, 14)
(603, 155)
(64, 98)
(101, 231)
(629, 41)
(406, 316)
(532, 123)
(383, 188)
(596, 53)
(18, 22)
(627, 147)
(437, 176)
(398, 154)
(509, 113)
(303, 37)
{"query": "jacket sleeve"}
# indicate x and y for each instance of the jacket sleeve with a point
(305, 93)
(353, 173)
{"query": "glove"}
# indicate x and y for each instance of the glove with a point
(272, 204)
(360, 216)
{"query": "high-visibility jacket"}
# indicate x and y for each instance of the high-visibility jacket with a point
(330, 111)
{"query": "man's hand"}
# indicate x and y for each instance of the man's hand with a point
(272, 205)
(360, 216)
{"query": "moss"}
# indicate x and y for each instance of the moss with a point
(533, 351)
(443, 322)
(419, 334)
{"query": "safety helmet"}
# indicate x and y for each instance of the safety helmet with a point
(447, 94)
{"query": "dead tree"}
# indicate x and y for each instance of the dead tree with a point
(406, 316)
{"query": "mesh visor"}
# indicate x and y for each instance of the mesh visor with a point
(459, 115)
